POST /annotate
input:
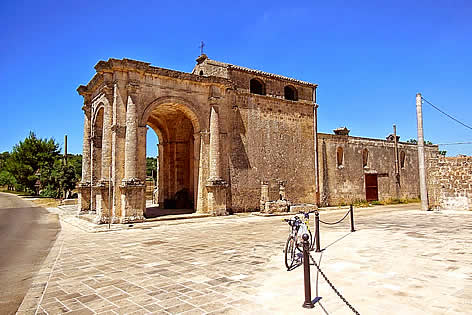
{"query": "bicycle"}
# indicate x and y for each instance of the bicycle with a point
(294, 245)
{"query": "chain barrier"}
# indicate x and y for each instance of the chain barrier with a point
(333, 223)
(332, 287)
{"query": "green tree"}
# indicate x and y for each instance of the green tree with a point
(7, 179)
(75, 160)
(414, 141)
(151, 167)
(3, 159)
(30, 158)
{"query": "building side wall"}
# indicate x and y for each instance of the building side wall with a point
(274, 87)
(346, 183)
(450, 183)
(271, 140)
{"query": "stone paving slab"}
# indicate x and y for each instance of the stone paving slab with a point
(399, 261)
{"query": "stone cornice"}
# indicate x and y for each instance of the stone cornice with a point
(144, 68)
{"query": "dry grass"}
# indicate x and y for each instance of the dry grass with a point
(46, 202)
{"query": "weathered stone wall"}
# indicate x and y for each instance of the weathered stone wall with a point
(271, 140)
(274, 87)
(450, 183)
(346, 183)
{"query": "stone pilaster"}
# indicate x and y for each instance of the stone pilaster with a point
(107, 136)
(216, 186)
(84, 185)
(104, 206)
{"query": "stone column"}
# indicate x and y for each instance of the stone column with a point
(132, 188)
(106, 142)
(216, 186)
(214, 146)
(157, 192)
(84, 185)
(131, 140)
(282, 195)
(264, 195)
(161, 176)
(196, 167)
(104, 207)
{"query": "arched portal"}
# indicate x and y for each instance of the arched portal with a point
(175, 126)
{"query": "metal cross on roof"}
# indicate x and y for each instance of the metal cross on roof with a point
(202, 44)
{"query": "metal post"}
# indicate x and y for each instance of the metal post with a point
(421, 163)
(317, 232)
(351, 209)
(306, 272)
(109, 199)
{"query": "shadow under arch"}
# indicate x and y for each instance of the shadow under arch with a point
(175, 121)
(181, 104)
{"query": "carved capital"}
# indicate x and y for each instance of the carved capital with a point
(132, 183)
(120, 131)
(108, 90)
(87, 110)
(216, 182)
(133, 88)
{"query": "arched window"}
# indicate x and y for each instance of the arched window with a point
(339, 156)
(290, 93)
(201, 72)
(256, 86)
(402, 159)
(365, 157)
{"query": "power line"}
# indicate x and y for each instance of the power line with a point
(454, 143)
(442, 112)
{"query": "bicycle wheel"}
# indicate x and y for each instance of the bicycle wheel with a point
(290, 249)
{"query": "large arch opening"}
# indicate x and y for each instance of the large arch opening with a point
(176, 171)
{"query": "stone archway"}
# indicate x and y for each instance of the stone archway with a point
(175, 125)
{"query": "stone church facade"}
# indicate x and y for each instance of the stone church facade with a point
(223, 130)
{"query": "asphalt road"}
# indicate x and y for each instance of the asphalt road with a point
(26, 235)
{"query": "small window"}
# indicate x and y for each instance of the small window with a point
(256, 86)
(201, 72)
(339, 156)
(402, 159)
(365, 157)
(290, 93)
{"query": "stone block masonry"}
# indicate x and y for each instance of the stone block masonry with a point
(450, 183)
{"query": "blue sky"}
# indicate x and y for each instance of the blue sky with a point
(370, 58)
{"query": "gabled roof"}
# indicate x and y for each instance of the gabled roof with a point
(229, 66)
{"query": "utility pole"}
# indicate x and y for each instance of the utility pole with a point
(65, 160)
(421, 163)
(397, 168)
(315, 139)
(65, 149)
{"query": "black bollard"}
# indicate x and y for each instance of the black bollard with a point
(317, 232)
(352, 218)
(306, 272)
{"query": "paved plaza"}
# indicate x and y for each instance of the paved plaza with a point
(399, 261)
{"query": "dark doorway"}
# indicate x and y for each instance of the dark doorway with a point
(371, 187)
